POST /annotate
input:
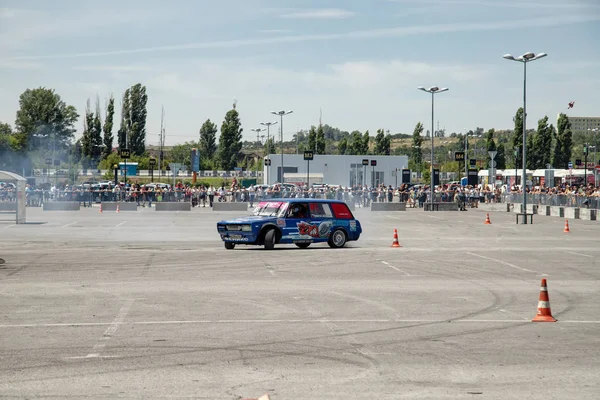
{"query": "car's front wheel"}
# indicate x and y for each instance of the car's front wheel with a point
(229, 245)
(270, 239)
(337, 239)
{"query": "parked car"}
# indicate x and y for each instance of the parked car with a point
(292, 221)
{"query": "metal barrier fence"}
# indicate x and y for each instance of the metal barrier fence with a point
(560, 200)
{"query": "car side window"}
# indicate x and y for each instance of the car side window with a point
(320, 210)
(298, 210)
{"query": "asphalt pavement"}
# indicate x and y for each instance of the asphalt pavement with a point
(149, 304)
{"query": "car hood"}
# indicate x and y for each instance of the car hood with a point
(247, 220)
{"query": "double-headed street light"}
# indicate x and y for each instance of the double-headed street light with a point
(525, 58)
(433, 90)
(281, 114)
(268, 125)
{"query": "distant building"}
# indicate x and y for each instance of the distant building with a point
(344, 170)
(582, 124)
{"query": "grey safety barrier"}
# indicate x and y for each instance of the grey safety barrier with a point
(123, 206)
(587, 214)
(503, 207)
(8, 206)
(62, 206)
(388, 206)
(557, 211)
(181, 206)
(440, 206)
(230, 206)
(571, 213)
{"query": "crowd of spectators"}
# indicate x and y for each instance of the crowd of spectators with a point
(360, 196)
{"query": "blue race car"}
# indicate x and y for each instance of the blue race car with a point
(297, 221)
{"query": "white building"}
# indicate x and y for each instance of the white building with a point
(584, 125)
(346, 170)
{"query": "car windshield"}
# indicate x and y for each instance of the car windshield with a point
(271, 209)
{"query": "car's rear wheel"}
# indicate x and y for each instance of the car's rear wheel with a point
(303, 245)
(229, 245)
(337, 239)
(270, 239)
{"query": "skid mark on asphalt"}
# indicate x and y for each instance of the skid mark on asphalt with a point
(505, 263)
(579, 254)
(394, 268)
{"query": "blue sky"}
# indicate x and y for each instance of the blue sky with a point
(359, 61)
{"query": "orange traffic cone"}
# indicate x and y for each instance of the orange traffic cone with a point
(567, 230)
(100, 211)
(118, 208)
(544, 314)
(395, 243)
(263, 397)
(487, 219)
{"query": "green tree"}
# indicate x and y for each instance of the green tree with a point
(270, 146)
(356, 142)
(383, 143)
(542, 144)
(517, 138)
(416, 155)
(43, 119)
(182, 153)
(320, 140)
(230, 141)
(88, 127)
(564, 142)
(137, 135)
(6, 147)
(312, 138)
(342, 146)
(108, 127)
(532, 151)
(490, 144)
(96, 135)
(125, 121)
(500, 156)
(208, 140)
(379, 143)
(365, 143)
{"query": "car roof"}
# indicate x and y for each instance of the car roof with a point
(302, 200)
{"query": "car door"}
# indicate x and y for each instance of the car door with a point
(321, 220)
(298, 225)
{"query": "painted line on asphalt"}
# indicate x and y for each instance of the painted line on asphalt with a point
(112, 328)
(289, 321)
(579, 254)
(9, 226)
(120, 224)
(505, 263)
(395, 268)
(67, 225)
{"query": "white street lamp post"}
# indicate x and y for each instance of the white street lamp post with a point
(433, 90)
(281, 114)
(268, 125)
(525, 58)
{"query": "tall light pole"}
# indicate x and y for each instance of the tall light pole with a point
(281, 114)
(525, 58)
(433, 90)
(258, 131)
(268, 125)
(595, 130)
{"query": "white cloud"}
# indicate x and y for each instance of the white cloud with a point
(323, 13)
(553, 20)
